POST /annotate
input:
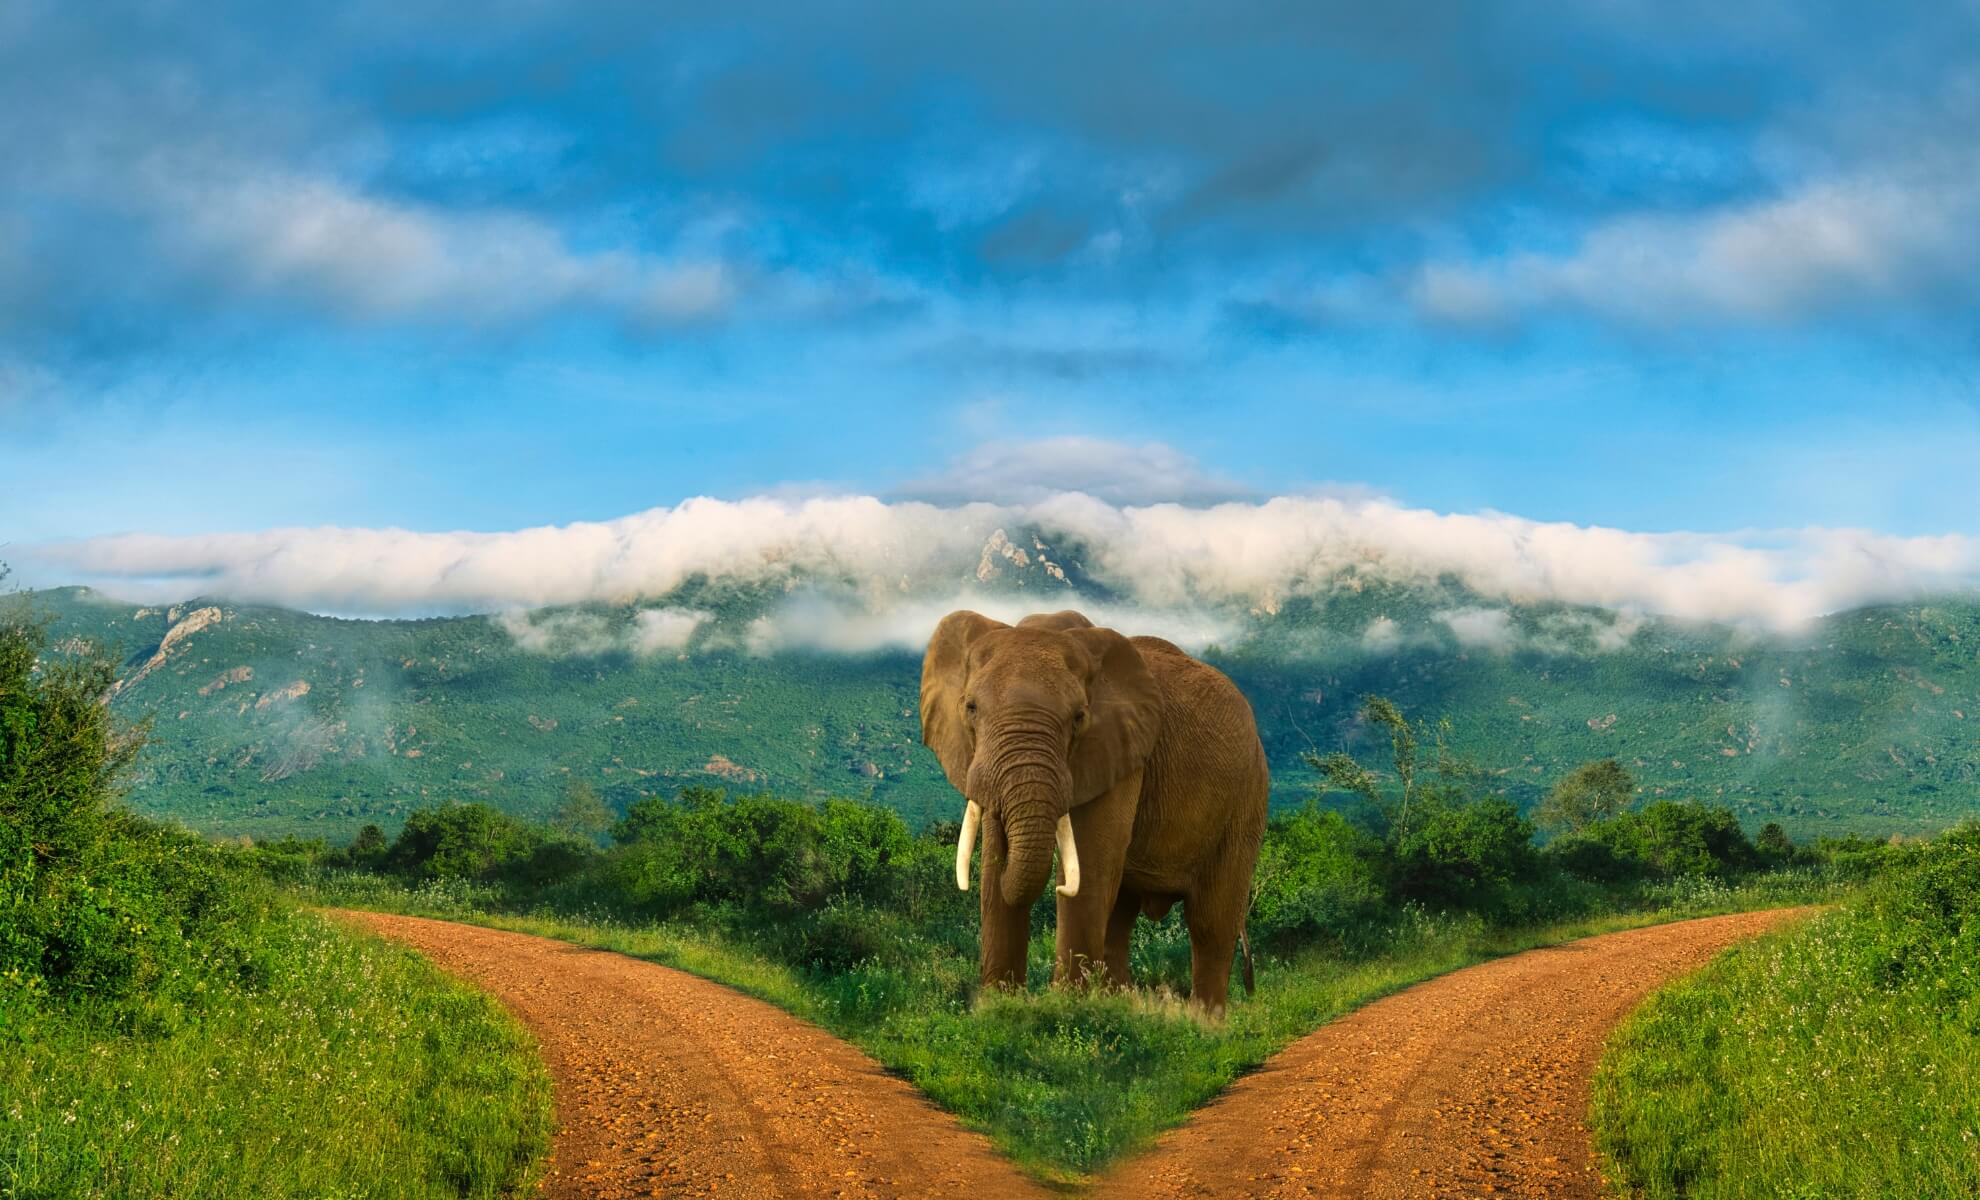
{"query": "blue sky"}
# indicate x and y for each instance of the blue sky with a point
(1655, 266)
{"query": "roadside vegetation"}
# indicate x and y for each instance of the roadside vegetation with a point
(1840, 1058)
(170, 1025)
(838, 912)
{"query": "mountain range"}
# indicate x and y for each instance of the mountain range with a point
(269, 721)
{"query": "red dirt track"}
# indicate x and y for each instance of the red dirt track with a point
(1472, 1084)
(669, 1085)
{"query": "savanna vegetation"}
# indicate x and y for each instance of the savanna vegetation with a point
(1838, 1058)
(839, 912)
(170, 1025)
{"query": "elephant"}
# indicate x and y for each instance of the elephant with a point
(1141, 765)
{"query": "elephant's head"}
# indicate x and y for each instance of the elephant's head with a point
(1029, 721)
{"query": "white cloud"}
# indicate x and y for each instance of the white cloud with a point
(885, 565)
(653, 631)
(1856, 242)
(1480, 628)
(1026, 472)
(1382, 636)
(558, 632)
(269, 231)
(659, 629)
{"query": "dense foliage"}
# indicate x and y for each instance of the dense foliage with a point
(1432, 834)
(1837, 1059)
(274, 722)
(149, 980)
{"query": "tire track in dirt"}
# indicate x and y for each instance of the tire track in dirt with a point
(1472, 1084)
(667, 1084)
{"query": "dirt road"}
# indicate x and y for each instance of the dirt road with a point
(667, 1084)
(1474, 1084)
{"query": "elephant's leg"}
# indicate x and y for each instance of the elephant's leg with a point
(1006, 927)
(1214, 911)
(1101, 830)
(1120, 932)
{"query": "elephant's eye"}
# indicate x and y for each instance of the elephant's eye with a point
(969, 706)
(1079, 718)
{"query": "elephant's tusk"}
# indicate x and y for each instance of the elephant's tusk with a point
(1068, 857)
(972, 817)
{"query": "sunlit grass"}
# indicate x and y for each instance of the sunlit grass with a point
(1836, 1059)
(356, 1071)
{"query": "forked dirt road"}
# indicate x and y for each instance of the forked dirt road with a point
(1472, 1084)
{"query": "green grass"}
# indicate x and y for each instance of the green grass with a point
(356, 1070)
(1836, 1059)
(1065, 1083)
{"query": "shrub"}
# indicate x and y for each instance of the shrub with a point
(1465, 855)
(1688, 838)
(1666, 839)
(462, 841)
(1596, 858)
(1319, 878)
(94, 903)
(756, 852)
(1774, 846)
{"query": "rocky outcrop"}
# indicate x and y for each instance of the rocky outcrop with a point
(723, 767)
(1000, 551)
(194, 621)
(282, 695)
(220, 681)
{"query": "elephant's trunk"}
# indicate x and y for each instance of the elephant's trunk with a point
(1022, 775)
(1030, 833)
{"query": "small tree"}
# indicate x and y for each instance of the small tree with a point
(1594, 791)
(368, 846)
(583, 814)
(1401, 804)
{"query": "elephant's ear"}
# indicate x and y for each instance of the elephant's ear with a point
(1124, 714)
(944, 671)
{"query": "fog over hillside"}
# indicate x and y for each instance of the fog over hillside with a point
(863, 571)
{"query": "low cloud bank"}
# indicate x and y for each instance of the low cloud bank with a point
(855, 571)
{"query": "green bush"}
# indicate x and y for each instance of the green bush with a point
(1466, 855)
(97, 905)
(1320, 879)
(1665, 839)
(460, 841)
(761, 853)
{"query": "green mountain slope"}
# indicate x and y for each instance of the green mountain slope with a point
(269, 721)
